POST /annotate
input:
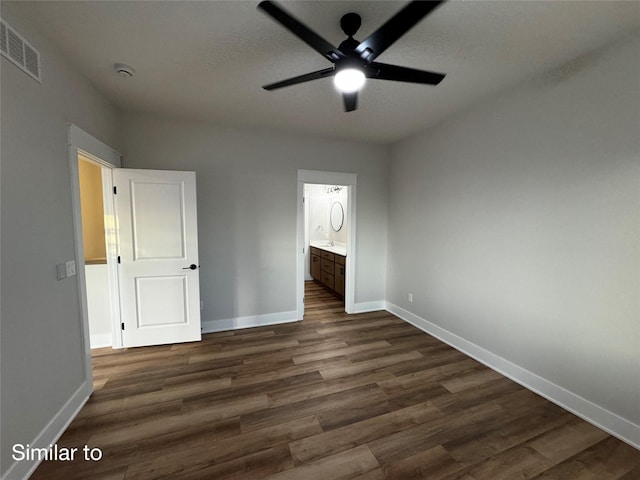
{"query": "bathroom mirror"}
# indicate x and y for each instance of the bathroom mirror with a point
(337, 216)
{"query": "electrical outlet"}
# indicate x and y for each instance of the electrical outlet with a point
(410, 297)
(70, 268)
(61, 271)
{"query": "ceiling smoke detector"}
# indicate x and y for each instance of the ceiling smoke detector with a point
(124, 70)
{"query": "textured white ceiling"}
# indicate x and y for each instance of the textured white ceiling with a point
(208, 59)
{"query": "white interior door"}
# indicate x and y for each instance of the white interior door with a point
(158, 249)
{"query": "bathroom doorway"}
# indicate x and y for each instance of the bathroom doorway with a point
(90, 175)
(87, 151)
(326, 234)
(326, 226)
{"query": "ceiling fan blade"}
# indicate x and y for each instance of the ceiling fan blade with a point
(383, 71)
(307, 77)
(301, 31)
(350, 101)
(394, 28)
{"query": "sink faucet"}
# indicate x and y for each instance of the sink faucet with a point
(331, 243)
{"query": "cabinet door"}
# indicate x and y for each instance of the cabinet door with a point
(339, 280)
(327, 266)
(327, 280)
(315, 266)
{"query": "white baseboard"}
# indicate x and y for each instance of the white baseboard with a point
(364, 307)
(602, 418)
(210, 326)
(21, 470)
(101, 340)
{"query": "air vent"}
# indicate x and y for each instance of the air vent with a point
(16, 49)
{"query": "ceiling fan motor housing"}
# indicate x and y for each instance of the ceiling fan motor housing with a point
(350, 23)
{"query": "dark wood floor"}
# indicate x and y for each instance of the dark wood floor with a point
(334, 397)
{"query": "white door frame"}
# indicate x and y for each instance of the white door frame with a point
(82, 142)
(327, 178)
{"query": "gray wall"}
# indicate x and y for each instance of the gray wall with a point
(42, 352)
(515, 225)
(247, 193)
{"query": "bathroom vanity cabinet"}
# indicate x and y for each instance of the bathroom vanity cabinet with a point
(328, 269)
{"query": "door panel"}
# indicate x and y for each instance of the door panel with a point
(161, 301)
(157, 232)
(147, 199)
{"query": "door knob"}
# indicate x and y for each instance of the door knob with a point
(193, 266)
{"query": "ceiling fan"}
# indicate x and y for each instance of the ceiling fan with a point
(353, 61)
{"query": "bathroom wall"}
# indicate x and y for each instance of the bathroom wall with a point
(90, 175)
(98, 305)
(95, 252)
(320, 202)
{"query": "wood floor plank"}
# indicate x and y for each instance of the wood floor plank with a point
(433, 464)
(256, 466)
(487, 392)
(609, 458)
(308, 349)
(362, 432)
(341, 466)
(436, 374)
(567, 440)
(447, 428)
(359, 325)
(155, 427)
(518, 462)
(242, 351)
(169, 462)
(354, 412)
(355, 368)
(341, 351)
(155, 397)
(336, 396)
(314, 406)
(431, 358)
(507, 434)
(322, 388)
(470, 380)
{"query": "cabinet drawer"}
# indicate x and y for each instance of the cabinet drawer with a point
(340, 260)
(328, 280)
(327, 266)
(328, 255)
(316, 251)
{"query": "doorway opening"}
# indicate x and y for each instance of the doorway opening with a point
(96, 230)
(327, 222)
(326, 238)
(83, 143)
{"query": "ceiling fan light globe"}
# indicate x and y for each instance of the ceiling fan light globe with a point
(349, 80)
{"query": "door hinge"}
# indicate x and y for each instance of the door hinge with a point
(115, 190)
(122, 325)
(302, 299)
(119, 259)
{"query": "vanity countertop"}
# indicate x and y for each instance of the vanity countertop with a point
(337, 247)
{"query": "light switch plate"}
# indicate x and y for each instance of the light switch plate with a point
(70, 268)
